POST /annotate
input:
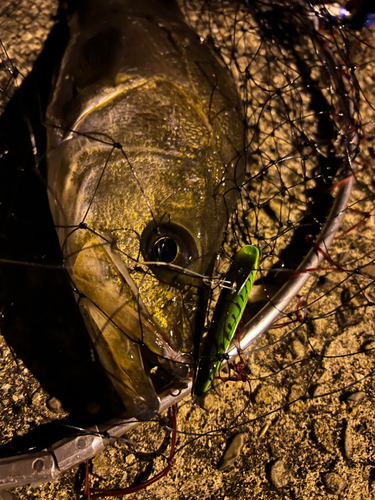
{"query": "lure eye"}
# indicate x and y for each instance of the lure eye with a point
(171, 243)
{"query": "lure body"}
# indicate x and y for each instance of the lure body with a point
(228, 313)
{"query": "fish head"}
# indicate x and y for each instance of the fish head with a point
(141, 185)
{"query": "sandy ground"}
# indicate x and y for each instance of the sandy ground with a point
(307, 413)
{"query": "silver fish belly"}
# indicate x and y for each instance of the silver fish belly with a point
(145, 142)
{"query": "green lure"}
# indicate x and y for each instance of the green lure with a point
(228, 313)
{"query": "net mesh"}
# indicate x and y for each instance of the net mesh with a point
(306, 407)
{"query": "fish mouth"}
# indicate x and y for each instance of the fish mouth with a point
(141, 364)
(140, 377)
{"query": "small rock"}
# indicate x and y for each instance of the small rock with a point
(130, 458)
(208, 401)
(278, 474)
(298, 349)
(369, 270)
(264, 429)
(369, 346)
(232, 451)
(334, 483)
(356, 396)
(55, 405)
(348, 442)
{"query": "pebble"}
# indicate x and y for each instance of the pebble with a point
(130, 458)
(368, 346)
(356, 396)
(264, 429)
(369, 270)
(298, 349)
(278, 474)
(348, 442)
(334, 483)
(208, 401)
(55, 405)
(232, 451)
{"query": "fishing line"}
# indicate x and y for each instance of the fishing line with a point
(289, 89)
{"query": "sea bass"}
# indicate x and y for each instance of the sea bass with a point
(145, 150)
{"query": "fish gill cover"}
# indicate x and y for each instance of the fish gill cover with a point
(304, 395)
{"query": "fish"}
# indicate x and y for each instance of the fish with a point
(145, 153)
(314, 375)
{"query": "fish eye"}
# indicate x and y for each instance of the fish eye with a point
(165, 250)
(174, 244)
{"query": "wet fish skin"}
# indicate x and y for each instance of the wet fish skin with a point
(145, 136)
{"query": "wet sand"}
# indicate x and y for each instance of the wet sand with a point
(309, 430)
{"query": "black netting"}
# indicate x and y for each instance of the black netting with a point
(304, 73)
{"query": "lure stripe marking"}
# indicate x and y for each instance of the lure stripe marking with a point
(228, 313)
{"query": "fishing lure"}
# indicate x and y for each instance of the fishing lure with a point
(228, 313)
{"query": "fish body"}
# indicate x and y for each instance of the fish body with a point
(145, 145)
